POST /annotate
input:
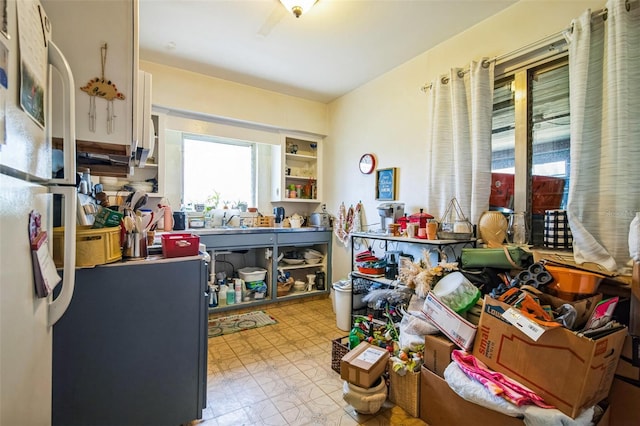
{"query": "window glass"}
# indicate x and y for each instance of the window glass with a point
(503, 144)
(218, 171)
(536, 147)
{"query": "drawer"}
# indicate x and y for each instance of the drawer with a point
(226, 241)
(304, 238)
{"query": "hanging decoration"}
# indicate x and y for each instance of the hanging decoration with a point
(101, 87)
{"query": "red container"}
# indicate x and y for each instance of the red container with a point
(420, 218)
(180, 245)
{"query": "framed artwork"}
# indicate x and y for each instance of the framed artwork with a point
(386, 184)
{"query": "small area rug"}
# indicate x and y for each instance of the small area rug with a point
(234, 323)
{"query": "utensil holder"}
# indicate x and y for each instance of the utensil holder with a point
(135, 245)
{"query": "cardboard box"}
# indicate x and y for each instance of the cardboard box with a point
(625, 364)
(568, 371)
(404, 391)
(441, 406)
(364, 364)
(457, 329)
(623, 403)
(437, 353)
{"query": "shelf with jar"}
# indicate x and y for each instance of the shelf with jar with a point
(297, 165)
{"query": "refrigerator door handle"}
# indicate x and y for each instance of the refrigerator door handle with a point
(59, 305)
(58, 61)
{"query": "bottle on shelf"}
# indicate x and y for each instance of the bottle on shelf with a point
(231, 296)
(222, 295)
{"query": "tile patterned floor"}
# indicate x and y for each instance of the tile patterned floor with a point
(281, 374)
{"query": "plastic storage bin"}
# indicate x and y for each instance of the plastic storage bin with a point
(93, 246)
(179, 245)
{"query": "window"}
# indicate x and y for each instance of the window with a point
(531, 142)
(218, 171)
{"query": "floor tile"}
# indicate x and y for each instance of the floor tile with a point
(281, 374)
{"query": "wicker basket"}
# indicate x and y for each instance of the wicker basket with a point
(284, 288)
(265, 221)
(404, 391)
(339, 348)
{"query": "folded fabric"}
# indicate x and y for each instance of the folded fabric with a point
(497, 383)
(473, 391)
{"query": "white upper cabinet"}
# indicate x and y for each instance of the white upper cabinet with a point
(105, 78)
(297, 169)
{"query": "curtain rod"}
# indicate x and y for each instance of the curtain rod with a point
(529, 47)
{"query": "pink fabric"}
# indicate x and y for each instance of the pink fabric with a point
(497, 383)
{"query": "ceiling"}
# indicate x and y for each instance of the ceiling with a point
(334, 48)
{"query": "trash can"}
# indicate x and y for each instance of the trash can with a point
(342, 299)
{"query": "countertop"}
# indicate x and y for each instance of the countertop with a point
(253, 230)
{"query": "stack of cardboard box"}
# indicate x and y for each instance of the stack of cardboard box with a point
(569, 371)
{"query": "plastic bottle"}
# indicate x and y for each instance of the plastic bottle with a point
(213, 299)
(231, 297)
(168, 218)
(238, 295)
(222, 295)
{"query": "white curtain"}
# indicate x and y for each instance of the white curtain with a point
(459, 143)
(604, 188)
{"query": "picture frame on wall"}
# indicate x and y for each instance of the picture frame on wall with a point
(386, 181)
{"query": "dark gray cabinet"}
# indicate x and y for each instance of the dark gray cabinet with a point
(132, 347)
(261, 247)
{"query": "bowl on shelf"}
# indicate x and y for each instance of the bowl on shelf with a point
(313, 260)
(370, 271)
(293, 261)
(310, 253)
(299, 286)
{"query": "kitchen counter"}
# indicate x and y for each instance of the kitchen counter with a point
(254, 230)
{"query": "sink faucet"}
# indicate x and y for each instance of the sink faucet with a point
(225, 221)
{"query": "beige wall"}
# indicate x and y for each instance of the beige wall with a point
(387, 116)
(222, 99)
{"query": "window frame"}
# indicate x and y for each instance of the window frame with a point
(521, 70)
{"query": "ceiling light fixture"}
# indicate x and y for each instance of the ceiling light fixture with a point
(298, 7)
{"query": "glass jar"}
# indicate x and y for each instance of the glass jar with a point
(518, 231)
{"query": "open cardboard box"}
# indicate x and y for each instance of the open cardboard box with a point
(568, 371)
(456, 328)
(441, 406)
(437, 353)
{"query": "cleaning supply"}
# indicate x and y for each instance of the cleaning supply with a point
(231, 296)
(222, 295)
(238, 290)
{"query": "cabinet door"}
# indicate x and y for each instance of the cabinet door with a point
(80, 29)
(297, 170)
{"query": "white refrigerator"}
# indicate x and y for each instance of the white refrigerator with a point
(28, 63)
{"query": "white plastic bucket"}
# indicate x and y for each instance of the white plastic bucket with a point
(342, 300)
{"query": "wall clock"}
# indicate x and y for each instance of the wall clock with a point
(367, 163)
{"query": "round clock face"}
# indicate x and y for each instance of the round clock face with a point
(367, 163)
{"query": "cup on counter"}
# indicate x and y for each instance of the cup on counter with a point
(412, 230)
(432, 230)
